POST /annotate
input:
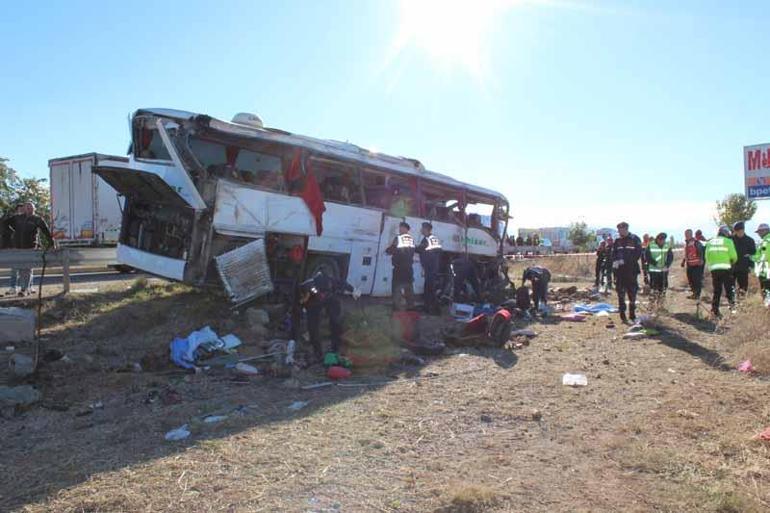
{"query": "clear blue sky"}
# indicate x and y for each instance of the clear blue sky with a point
(575, 110)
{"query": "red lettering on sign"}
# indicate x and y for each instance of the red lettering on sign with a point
(754, 158)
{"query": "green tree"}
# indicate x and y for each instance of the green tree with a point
(734, 208)
(581, 236)
(15, 190)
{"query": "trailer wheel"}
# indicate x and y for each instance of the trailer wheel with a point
(328, 265)
(123, 269)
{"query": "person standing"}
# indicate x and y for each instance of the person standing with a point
(609, 271)
(626, 251)
(539, 277)
(762, 260)
(720, 259)
(27, 226)
(746, 248)
(694, 261)
(658, 259)
(645, 243)
(401, 251)
(430, 258)
(320, 294)
(601, 254)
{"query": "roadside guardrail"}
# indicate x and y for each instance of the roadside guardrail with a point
(64, 258)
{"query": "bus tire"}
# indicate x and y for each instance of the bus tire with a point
(327, 264)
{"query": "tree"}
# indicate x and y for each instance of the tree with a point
(581, 236)
(15, 190)
(734, 208)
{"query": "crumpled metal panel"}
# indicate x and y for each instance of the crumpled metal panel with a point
(245, 272)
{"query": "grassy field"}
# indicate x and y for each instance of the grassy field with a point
(664, 424)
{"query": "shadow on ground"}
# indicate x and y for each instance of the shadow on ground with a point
(97, 416)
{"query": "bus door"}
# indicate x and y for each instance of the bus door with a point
(363, 262)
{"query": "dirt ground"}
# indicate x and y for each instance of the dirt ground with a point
(664, 424)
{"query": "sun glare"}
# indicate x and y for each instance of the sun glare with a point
(453, 33)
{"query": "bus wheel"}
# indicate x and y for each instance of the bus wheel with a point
(328, 265)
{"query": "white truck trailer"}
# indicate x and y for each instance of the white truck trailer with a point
(85, 210)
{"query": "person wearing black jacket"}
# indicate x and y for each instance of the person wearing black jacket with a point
(430, 258)
(26, 227)
(745, 247)
(401, 251)
(321, 293)
(626, 251)
(539, 278)
(601, 261)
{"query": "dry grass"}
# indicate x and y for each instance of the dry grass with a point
(563, 267)
(659, 427)
(750, 333)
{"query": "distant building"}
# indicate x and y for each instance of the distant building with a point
(558, 236)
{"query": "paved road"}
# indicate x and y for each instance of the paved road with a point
(79, 277)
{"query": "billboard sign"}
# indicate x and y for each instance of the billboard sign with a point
(756, 170)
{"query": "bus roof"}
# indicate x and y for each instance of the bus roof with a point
(344, 150)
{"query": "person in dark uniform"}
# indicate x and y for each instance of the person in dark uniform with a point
(464, 271)
(401, 251)
(430, 258)
(746, 248)
(539, 278)
(626, 251)
(601, 255)
(320, 294)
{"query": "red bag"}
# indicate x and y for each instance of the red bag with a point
(337, 372)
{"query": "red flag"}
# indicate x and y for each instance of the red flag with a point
(310, 192)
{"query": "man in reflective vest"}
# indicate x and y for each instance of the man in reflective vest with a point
(762, 261)
(694, 261)
(430, 258)
(720, 259)
(402, 252)
(626, 251)
(658, 259)
(746, 248)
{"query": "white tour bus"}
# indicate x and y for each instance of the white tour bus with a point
(197, 188)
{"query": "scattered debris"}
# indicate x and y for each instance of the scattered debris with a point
(573, 317)
(213, 419)
(746, 367)
(52, 355)
(635, 335)
(246, 369)
(595, 309)
(687, 414)
(461, 311)
(336, 372)
(764, 435)
(298, 405)
(574, 380)
(17, 324)
(526, 332)
(22, 395)
(536, 415)
(257, 317)
(486, 418)
(177, 434)
(185, 352)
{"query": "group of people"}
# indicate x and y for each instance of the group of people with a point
(730, 257)
(22, 228)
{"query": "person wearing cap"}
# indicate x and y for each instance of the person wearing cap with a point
(626, 251)
(746, 248)
(694, 261)
(430, 258)
(762, 261)
(658, 259)
(401, 251)
(320, 294)
(720, 259)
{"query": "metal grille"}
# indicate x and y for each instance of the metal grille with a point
(245, 272)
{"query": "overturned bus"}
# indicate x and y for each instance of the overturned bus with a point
(258, 208)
